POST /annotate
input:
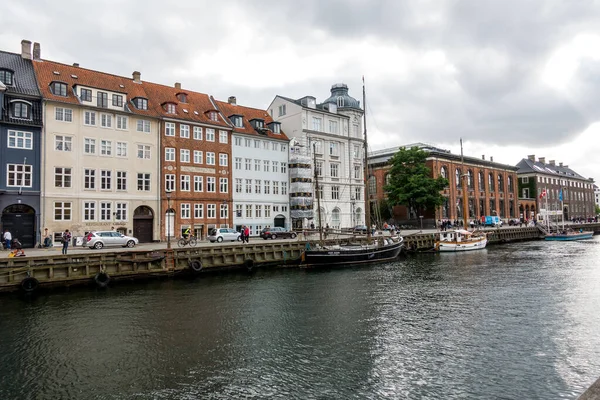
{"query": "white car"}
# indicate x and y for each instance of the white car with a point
(221, 234)
(99, 239)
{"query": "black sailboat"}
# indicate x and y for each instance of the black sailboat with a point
(376, 249)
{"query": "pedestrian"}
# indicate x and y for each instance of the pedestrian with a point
(243, 234)
(66, 238)
(7, 239)
(247, 234)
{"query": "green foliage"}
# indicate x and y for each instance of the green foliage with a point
(411, 183)
(597, 209)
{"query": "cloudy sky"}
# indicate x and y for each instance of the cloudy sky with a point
(510, 77)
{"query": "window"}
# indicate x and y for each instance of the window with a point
(470, 180)
(256, 144)
(275, 166)
(169, 108)
(211, 184)
(316, 124)
(117, 100)
(319, 168)
(223, 185)
(184, 131)
(357, 171)
(6, 77)
(20, 110)
(267, 187)
(275, 146)
(334, 149)
(63, 114)
(334, 170)
(20, 140)
(481, 182)
(198, 210)
(89, 118)
(105, 179)
(89, 179)
(247, 142)
(358, 193)
(89, 210)
(105, 120)
(143, 182)
(184, 155)
(59, 88)
(211, 211)
(121, 180)
(121, 122)
(282, 110)
(143, 151)
(169, 154)
(102, 99)
(143, 126)
(62, 143)
(248, 185)
(266, 165)
(121, 211)
(248, 164)
(500, 184)
(140, 103)
(237, 121)
(257, 186)
(185, 210)
(238, 185)
(197, 133)
(223, 161)
(335, 192)
(457, 177)
(444, 172)
(283, 148)
(491, 182)
(197, 157)
(223, 137)
(284, 168)
(275, 187)
(210, 134)
(333, 127)
(62, 210)
(182, 97)
(372, 185)
(248, 210)
(318, 146)
(184, 183)
(238, 163)
(510, 184)
(198, 183)
(169, 182)
(257, 165)
(169, 129)
(525, 179)
(258, 211)
(86, 95)
(105, 211)
(62, 177)
(210, 158)
(105, 147)
(212, 115)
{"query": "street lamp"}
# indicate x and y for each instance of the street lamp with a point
(421, 218)
(168, 214)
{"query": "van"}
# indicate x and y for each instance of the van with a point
(492, 220)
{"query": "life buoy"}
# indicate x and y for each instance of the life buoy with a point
(195, 265)
(249, 264)
(102, 279)
(29, 284)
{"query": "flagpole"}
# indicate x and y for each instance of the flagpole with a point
(547, 211)
(562, 207)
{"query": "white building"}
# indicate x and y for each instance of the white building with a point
(332, 131)
(260, 168)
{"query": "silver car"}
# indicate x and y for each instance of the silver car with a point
(99, 239)
(221, 234)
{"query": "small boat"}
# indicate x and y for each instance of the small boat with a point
(569, 234)
(460, 240)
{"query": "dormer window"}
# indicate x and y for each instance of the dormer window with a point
(169, 108)
(212, 115)
(6, 77)
(86, 95)
(19, 109)
(257, 124)
(237, 121)
(117, 100)
(140, 103)
(102, 99)
(276, 128)
(59, 88)
(182, 97)
(340, 101)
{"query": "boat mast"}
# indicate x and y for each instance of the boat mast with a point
(318, 194)
(464, 188)
(366, 166)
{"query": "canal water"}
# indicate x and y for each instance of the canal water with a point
(518, 321)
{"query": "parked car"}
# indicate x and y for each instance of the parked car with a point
(99, 239)
(221, 234)
(360, 229)
(277, 232)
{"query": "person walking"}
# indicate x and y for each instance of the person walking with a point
(246, 234)
(7, 239)
(66, 238)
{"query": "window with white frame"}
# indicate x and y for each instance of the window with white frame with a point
(257, 186)
(358, 193)
(184, 155)
(248, 210)
(258, 211)
(333, 127)
(267, 211)
(238, 185)
(89, 118)
(197, 157)
(275, 187)
(211, 184)
(316, 122)
(223, 185)
(281, 110)
(265, 145)
(143, 126)
(211, 211)
(89, 146)
(197, 133)
(223, 161)
(238, 163)
(105, 211)
(89, 179)
(169, 182)
(318, 146)
(357, 171)
(275, 146)
(334, 149)
(334, 170)
(198, 210)
(275, 166)
(210, 158)
(106, 120)
(224, 211)
(62, 177)
(267, 187)
(121, 149)
(63, 143)
(20, 109)
(105, 179)
(198, 183)
(238, 141)
(356, 151)
(102, 99)
(89, 210)
(248, 142)
(62, 210)
(121, 211)
(121, 122)
(256, 144)
(335, 192)
(210, 135)
(238, 210)
(266, 165)
(248, 185)
(169, 154)
(20, 140)
(283, 168)
(184, 132)
(319, 168)
(143, 182)
(284, 188)
(284, 148)
(257, 165)
(63, 114)
(185, 210)
(223, 137)
(170, 129)
(105, 147)
(184, 184)
(121, 180)
(248, 164)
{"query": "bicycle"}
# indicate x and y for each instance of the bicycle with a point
(191, 241)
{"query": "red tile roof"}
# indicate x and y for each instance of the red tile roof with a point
(248, 114)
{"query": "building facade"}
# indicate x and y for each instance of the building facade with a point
(556, 189)
(20, 146)
(330, 133)
(260, 168)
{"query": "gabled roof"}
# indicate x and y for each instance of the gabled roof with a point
(527, 166)
(248, 114)
(24, 80)
(318, 107)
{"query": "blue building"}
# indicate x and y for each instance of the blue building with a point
(20, 145)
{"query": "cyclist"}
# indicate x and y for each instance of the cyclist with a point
(186, 233)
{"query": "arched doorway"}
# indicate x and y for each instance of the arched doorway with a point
(143, 223)
(279, 221)
(19, 219)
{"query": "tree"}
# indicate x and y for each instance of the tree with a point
(597, 209)
(411, 183)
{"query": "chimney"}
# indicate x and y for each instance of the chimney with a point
(26, 49)
(531, 157)
(232, 100)
(542, 160)
(560, 164)
(137, 77)
(37, 51)
(177, 85)
(491, 158)
(552, 162)
(76, 65)
(483, 156)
